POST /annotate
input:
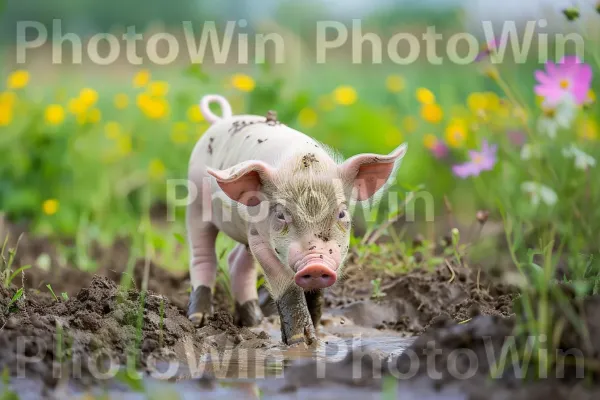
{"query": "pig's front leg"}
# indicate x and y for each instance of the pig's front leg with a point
(203, 266)
(296, 322)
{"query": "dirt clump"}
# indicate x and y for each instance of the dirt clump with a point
(412, 300)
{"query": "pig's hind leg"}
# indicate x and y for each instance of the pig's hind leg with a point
(242, 272)
(203, 270)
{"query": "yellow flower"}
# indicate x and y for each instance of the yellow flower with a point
(307, 117)
(76, 106)
(325, 103)
(112, 129)
(588, 129)
(477, 102)
(18, 79)
(121, 101)
(432, 113)
(6, 114)
(345, 95)
(409, 124)
(456, 133)
(124, 144)
(429, 141)
(153, 108)
(94, 116)
(194, 114)
(88, 97)
(158, 88)
(425, 96)
(141, 79)
(504, 109)
(243, 82)
(50, 206)
(156, 169)
(8, 98)
(179, 133)
(493, 101)
(395, 83)
(55, 114)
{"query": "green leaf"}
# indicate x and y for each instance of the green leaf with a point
(17, 272)
(179, 237)
(15, 298)
(52, 291)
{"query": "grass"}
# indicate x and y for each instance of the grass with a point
(6, 263)
(52, 292)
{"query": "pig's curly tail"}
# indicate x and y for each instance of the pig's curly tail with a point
(208, 114)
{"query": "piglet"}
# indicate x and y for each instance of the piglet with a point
(286, 199)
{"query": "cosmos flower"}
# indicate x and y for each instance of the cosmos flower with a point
(437, 147)
(539, 193)
(583, 160)
(480, 161)
(569, 77)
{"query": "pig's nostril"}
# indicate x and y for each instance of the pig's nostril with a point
(315, 277)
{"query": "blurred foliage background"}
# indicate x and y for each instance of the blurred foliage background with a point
(86, 150)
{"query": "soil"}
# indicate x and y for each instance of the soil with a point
(450, 308)
(414, 299)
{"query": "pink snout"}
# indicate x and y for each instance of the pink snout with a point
(315, 276)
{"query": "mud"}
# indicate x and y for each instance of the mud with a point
(414, 299)
(55, 347)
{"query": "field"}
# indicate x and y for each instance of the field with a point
(488, 234)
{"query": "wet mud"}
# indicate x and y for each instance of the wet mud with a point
(65, 347)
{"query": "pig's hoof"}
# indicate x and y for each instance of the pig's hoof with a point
(200, 305)
(248, 314)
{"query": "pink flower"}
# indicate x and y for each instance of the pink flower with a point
(570, 77)
(480, 161)
(439, 150)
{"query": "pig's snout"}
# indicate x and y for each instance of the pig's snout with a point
(315, 276)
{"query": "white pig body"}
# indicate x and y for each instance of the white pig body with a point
(285, 198)
(224, 145)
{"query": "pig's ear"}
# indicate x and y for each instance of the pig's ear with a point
(243, 182)
(370, 172)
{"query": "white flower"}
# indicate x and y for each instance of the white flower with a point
(529, 151)
(557, 116)
(583, 160)
(539, 193)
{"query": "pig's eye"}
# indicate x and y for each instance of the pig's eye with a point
(342, 214)
(280, 216)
